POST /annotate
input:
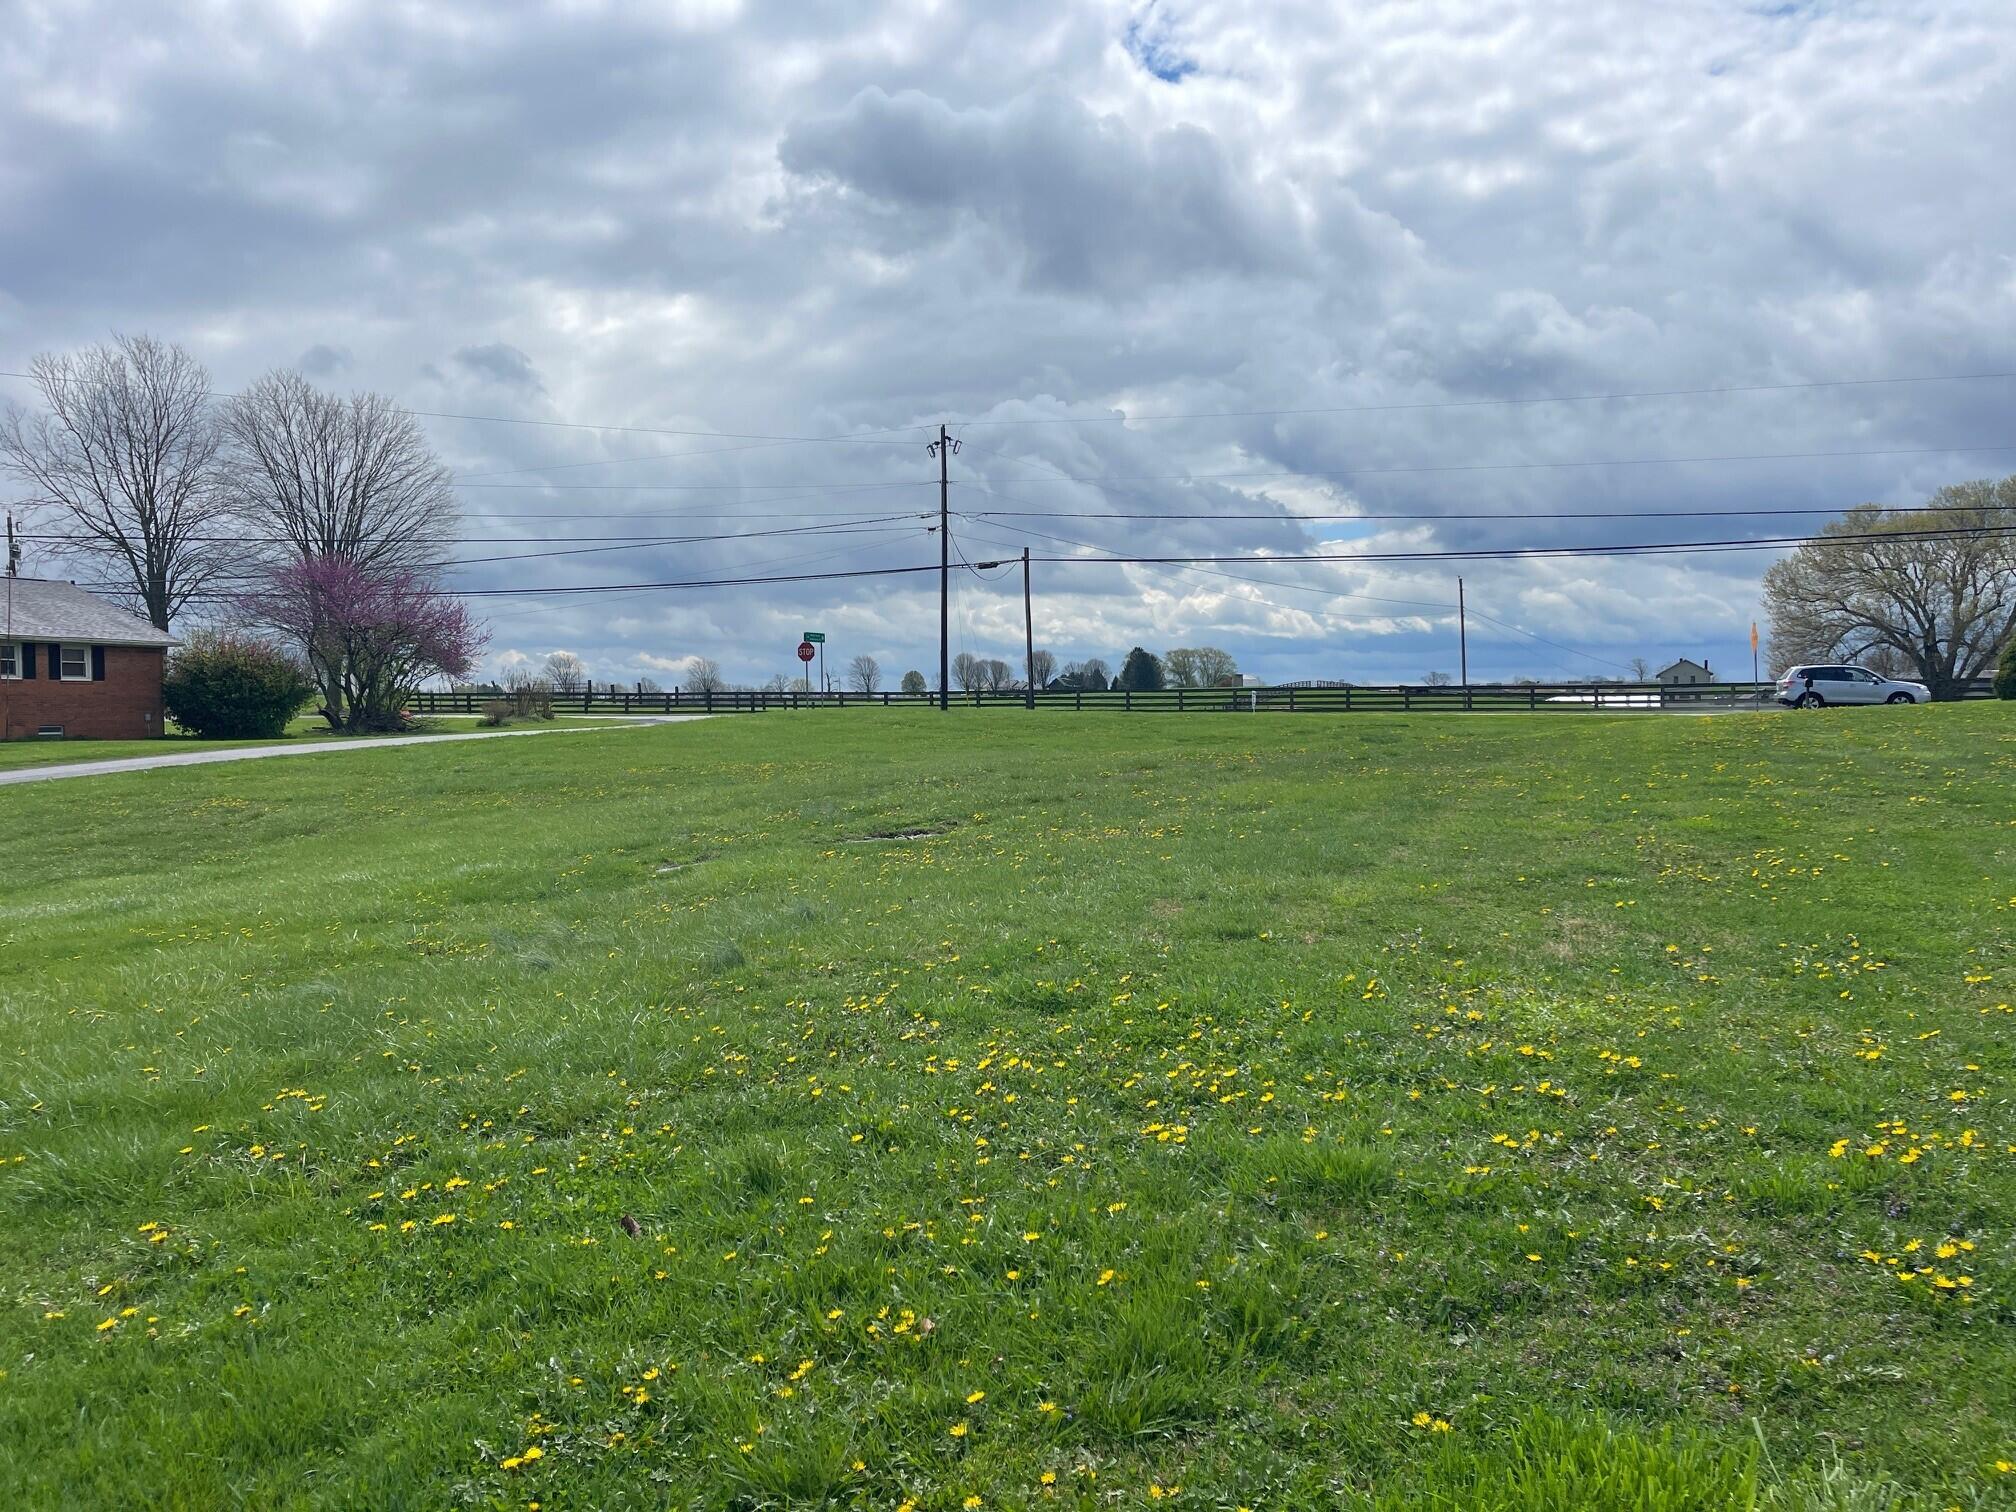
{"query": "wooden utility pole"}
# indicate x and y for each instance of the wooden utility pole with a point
(943, 448)
(1462, 634)
(1028, 630)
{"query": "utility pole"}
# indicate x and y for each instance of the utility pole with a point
(1462, 634)
(943, 448)
(1028, 629)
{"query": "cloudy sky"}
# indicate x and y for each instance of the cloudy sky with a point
(1147, 257)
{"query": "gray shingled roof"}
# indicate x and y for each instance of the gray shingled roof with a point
(41, 609)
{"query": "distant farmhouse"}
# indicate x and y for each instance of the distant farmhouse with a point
(1683, 673)
(72, 665)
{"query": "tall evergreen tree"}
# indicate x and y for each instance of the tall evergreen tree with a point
(1141, 672)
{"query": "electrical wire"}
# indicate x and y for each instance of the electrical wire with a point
(1430, 517)
(1447, 404)
(1324, 476)
(1654, 548)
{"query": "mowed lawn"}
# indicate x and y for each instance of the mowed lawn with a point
(884, 1109)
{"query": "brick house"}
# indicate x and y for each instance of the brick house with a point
(74, 666)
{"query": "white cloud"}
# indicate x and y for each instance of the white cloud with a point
(855, 219)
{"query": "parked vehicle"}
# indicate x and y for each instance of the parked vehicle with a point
(1816, 687)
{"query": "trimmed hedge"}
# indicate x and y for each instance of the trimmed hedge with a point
(223, 685)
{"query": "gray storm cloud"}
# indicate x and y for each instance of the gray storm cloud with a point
(851, 222)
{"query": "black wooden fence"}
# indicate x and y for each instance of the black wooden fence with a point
(1478, 698)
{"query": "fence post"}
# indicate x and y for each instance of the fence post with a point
(1407, 699)
(1127, 700)
(1179, 700)
(710, 700)
(1291, 700)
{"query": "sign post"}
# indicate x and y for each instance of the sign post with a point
(815, 638)
(805, 655)
(1753, 660)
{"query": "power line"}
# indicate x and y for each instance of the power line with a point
(1465, 467)
(1347, 619)
(559, 590)
(1447, 404)
(1429, 516)
(1654, 548)
(1336, 593)
(837, 523)
(1371, 598)
(824, 486)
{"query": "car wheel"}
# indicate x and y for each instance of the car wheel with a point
(1810, 701)
(1900, 698)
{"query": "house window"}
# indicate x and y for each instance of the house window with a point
(10, 659)
(76, 664)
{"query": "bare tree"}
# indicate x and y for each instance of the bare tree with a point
(864, 674)
(649, 685)
(1641, 669)
(996, 675)
(703, 675)
(1945, 606)
(126, 450)
(1198, 666)
(968, 671)
(566, 673)
(1043, 667)
(779, 683)
(333, 477)
(1437, 679)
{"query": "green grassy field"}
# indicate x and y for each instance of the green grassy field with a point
(887, 1109)
(307, 730)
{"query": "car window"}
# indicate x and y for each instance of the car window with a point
(1856, 674)
(1826, 674)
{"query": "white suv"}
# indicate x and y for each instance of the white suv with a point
(1816, 687)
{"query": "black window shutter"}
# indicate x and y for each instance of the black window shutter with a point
(97, 664)
(26, 654)
(55, 661)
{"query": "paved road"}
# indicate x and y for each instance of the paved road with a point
(260, 753)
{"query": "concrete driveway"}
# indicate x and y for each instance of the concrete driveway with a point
(261, 753)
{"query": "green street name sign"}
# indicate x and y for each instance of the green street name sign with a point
(814, 636)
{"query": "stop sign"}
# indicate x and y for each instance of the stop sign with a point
(805, 651)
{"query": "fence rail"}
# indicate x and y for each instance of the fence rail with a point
(1478, 698)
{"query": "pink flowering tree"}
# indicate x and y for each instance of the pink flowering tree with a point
(371, 634)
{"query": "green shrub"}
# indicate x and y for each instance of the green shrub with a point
(223, 685)
(495, 712)
(2005, 674)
